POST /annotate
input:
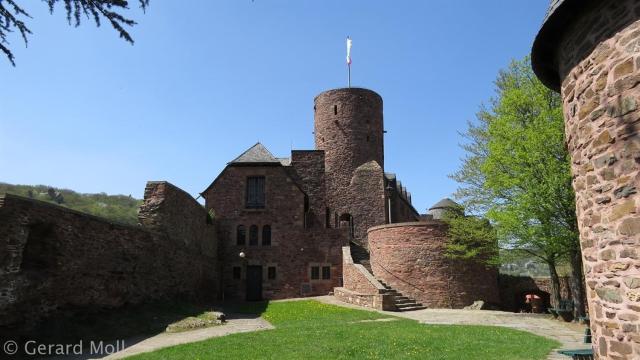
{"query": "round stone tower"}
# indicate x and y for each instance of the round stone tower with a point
(349, 128)
(589, 50)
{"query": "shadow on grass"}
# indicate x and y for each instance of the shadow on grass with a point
(131, 323)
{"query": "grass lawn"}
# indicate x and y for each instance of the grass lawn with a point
(313, 330)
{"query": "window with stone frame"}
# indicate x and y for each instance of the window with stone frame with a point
(253, 235)
(319, 271)
(315, 273)
(255, 195)
(237, 272)
(266, 235)
(271, 273)
(326, 272)
(241, 235)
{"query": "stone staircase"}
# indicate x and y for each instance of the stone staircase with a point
(403, 303)
(360, 256)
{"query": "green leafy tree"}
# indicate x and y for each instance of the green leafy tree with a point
(471, 238)
(119, 208)
(13, 16)
(517, 173)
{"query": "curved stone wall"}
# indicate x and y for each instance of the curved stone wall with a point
(410, 258)
(599, 63)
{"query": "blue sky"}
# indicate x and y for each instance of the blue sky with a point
(206, 79)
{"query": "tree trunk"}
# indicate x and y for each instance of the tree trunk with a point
(577, 283)
(555, 284)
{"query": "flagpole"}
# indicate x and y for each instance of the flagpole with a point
(349, 61)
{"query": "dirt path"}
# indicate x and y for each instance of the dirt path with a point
(570, 335)
(232, 326)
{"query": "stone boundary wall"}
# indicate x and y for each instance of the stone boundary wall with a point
(360, 287)
(410, 258)
(513, 288)
(54, 259)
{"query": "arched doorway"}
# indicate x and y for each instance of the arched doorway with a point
(533, 301)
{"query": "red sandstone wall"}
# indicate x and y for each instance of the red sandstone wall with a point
(599, 62)
(402, 210)
(54, 258)
(293, 247)
(170, 210)
(409, 257)
(360, 287)
(307, 168)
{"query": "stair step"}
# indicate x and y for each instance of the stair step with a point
(409, 304)
(404, 302)
(412, 308)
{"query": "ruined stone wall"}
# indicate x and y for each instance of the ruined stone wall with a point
(172, 211)
(349, 128)
(599, 59)
(410, 258)
(294, 248)
(53, 258)
(367, 200)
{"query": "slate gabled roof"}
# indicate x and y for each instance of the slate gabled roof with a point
(255, 154)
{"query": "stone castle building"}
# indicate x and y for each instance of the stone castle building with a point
(590, 52)
(286, 225)
(320, 221)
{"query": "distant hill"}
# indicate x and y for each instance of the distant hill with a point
(518, 263)
(120, 208)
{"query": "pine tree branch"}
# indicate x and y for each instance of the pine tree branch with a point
(11, 18)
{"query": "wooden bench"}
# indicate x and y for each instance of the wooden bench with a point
(564, 310)
(578, 354)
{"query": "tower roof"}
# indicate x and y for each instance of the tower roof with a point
(543, 54)
(445, 203)
(258, 153)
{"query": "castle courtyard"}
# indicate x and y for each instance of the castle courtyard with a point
(329, 179)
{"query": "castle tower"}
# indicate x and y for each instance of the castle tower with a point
(589, 50)
(349, 128)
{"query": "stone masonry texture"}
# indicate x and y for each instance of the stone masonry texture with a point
(53, 258)
(349, 128)
(599, 64)
(295, 246)
(410, 258)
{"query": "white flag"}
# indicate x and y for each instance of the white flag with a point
(348, 50)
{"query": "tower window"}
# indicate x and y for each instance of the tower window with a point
(335, 109)
(241, 234)
(253, 235)
(266, 235)
(255, 192)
